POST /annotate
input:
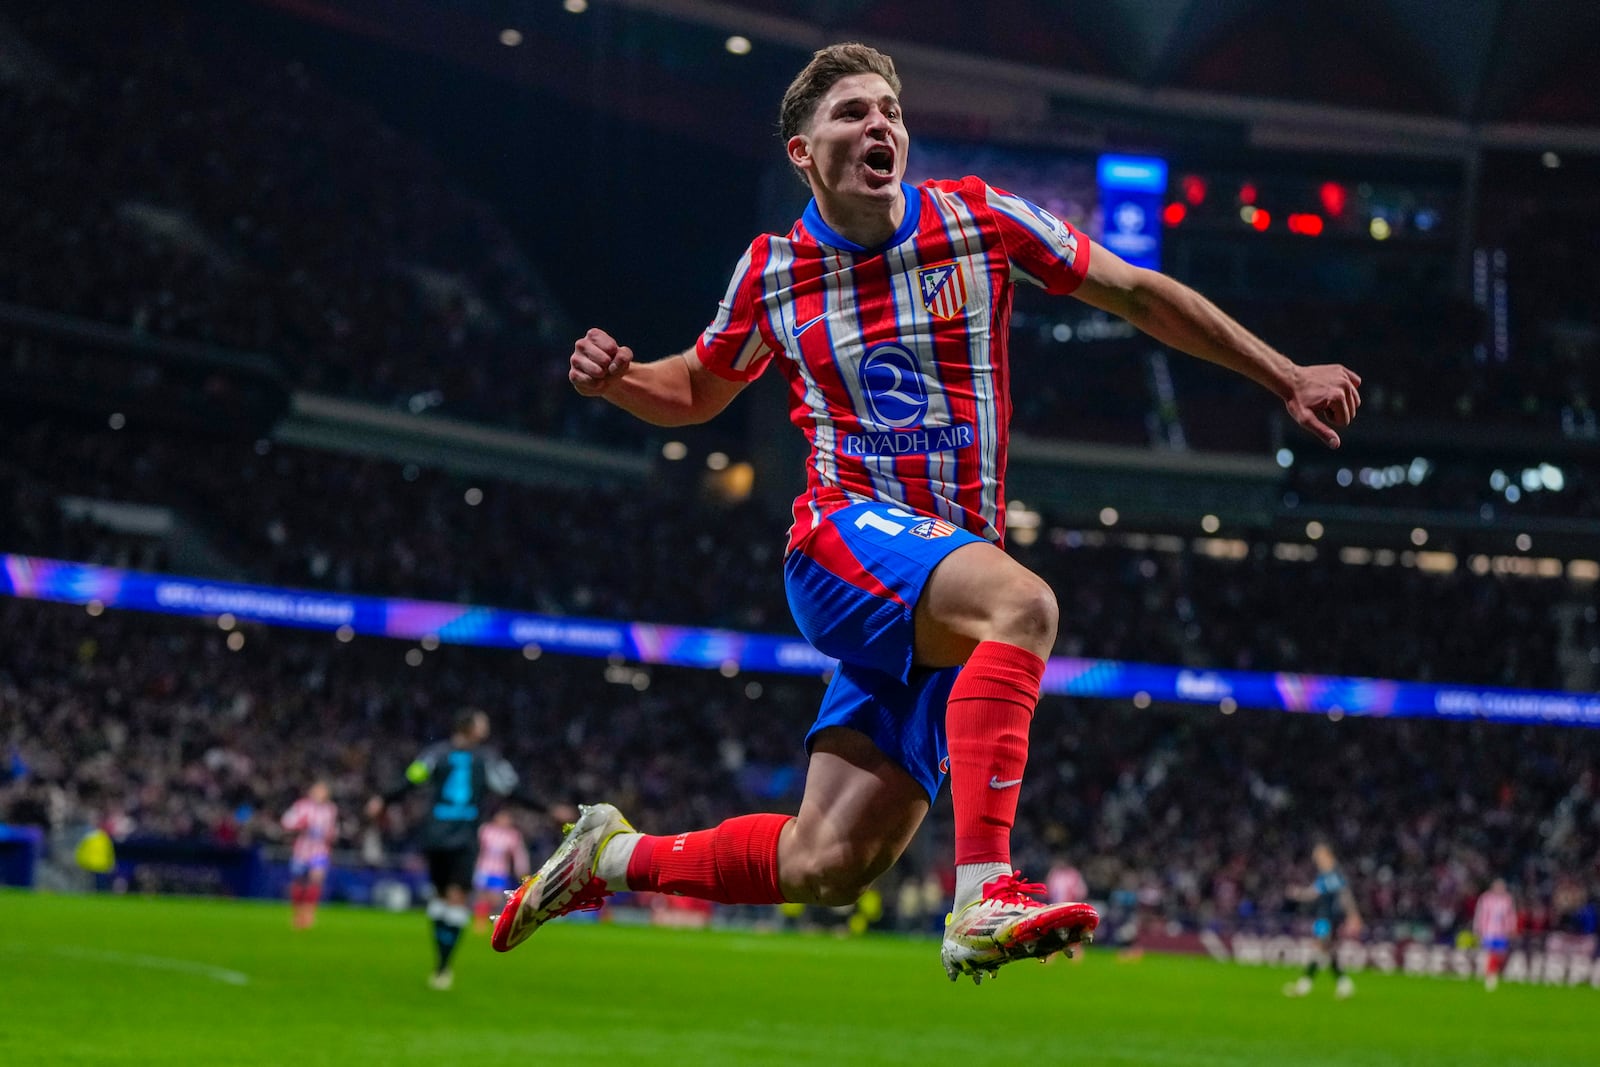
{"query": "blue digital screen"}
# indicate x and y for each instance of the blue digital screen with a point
(1132, 189)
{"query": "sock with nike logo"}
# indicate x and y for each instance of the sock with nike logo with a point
(986, 720)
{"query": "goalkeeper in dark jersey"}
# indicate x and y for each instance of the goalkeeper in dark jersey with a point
(1335, 910)
(458, 778)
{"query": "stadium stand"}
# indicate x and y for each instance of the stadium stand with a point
(297, 225)
(151, 726)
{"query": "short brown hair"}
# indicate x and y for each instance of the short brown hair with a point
(827, 66)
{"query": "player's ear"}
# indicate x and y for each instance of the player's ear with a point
(799, 151)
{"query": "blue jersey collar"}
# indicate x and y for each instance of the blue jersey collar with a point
(826, 235)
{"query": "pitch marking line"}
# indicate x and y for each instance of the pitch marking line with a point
(156, 963)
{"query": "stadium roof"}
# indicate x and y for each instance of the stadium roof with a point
(1418, 76)
(1475, 60)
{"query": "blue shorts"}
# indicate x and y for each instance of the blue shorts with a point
(853, 587)
(1495, 944)
(298, 869)
(1323, 929)
(486, 882)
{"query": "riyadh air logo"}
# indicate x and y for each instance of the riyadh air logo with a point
(944, 289)
(891, 380)
(1061, 234)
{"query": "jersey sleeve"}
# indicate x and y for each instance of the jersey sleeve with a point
(294, 819)
(1043, 251)
(738, 344)
(498, 775)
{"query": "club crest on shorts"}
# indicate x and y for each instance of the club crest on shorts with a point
(944, 289)
(928, 529)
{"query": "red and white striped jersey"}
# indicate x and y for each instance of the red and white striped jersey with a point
(1495, 917)
(896, 356)
(500, 849)
(1065, 883)
(316, 824)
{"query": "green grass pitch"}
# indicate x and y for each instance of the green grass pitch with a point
(163, 981)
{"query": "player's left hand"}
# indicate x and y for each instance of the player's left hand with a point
(1324, 396)
(1352, 926)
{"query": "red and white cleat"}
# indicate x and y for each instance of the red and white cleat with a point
(566, 883)
(1009, 924)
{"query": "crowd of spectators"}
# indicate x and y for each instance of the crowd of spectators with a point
(173, 175)
(310, 519)
(154, 726)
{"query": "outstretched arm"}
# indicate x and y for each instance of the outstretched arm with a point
(675, 391)
(1319, 398)
(1352, 914)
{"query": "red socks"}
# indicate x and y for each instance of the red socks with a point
(986, 721)
(734, 863)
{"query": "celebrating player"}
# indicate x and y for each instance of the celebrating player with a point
(1335, 910)
(502, 855)
(457, 776)
(886, 307)
(314, 821)
(1494, 921)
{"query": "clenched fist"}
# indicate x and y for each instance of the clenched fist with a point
(597, 361)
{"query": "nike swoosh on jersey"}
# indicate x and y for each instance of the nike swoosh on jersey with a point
(996, 783)
(801, 327)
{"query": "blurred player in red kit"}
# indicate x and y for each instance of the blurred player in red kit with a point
(502, 858)
(314, 821)
(1494, 921)
(887, 307)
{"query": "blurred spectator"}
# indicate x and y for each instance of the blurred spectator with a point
(151, 725)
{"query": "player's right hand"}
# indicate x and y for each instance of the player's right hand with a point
(597, 361)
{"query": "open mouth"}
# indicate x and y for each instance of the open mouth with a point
(880, 161)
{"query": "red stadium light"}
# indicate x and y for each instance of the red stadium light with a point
(1305, 224)
(1174, 213)
(1194, 190)
(1261, 220)
(1333, 198)
(1247, 193)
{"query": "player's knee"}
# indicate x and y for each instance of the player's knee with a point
(1027, 614)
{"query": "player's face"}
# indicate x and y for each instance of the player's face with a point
(319, 793)
(1323, 858)
(856, 143)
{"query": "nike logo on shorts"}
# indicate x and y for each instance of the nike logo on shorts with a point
(802, 327)
(996, 783)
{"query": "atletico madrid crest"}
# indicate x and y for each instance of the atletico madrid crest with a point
(944, 289)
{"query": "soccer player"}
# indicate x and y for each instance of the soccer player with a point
(1335, 911)
(502, 855)
(314, 821)
(1494, 921)
(456, 776)
(886, 307)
